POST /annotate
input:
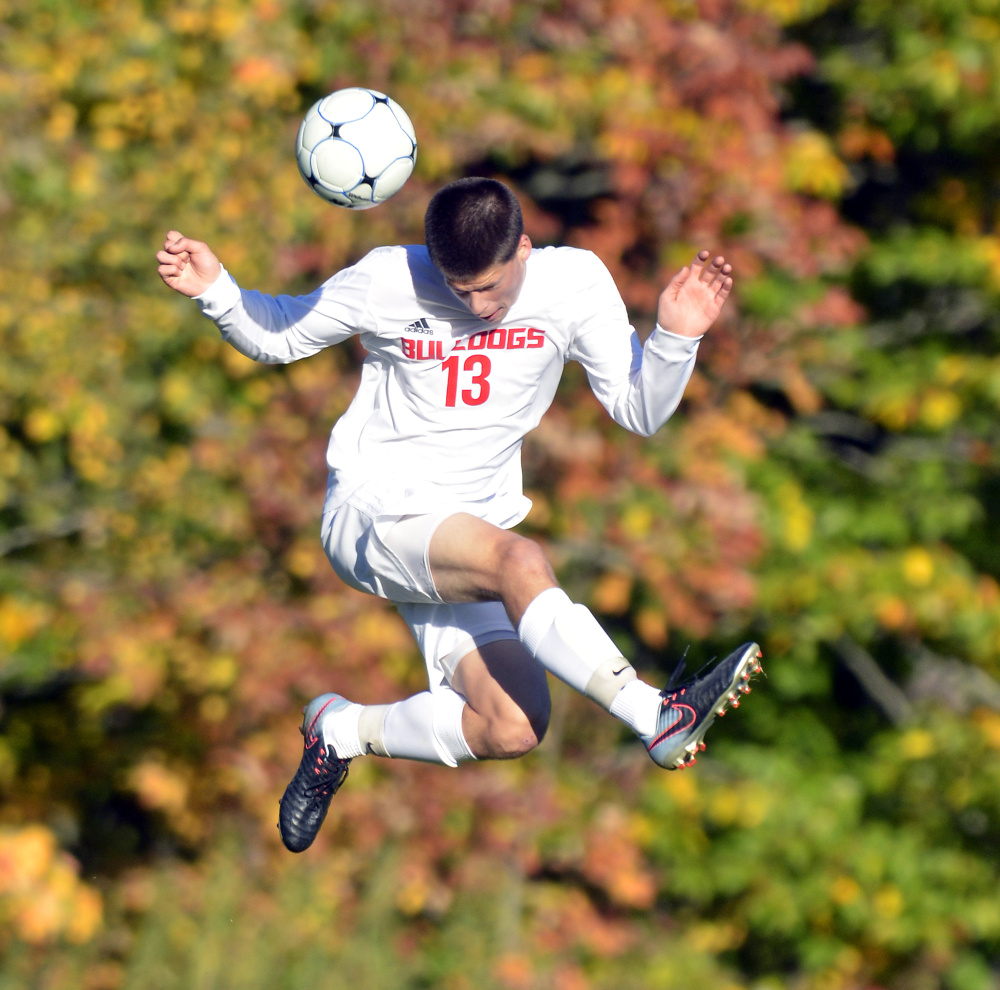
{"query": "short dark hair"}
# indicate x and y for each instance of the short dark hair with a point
(471, 225)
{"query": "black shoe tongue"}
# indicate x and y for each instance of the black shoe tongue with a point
(675, 676)
(678, 670)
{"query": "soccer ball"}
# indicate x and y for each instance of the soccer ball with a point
(356, 148)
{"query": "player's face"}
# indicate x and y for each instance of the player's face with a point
(491, 294)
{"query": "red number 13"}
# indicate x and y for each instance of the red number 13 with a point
(477, 363)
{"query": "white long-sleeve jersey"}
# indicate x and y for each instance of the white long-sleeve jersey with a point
(445, 399)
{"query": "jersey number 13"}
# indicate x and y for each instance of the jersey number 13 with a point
(475, 365)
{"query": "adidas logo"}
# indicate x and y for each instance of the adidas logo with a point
(418, 326)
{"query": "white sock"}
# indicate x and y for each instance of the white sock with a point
(569, 642)
(638, 705)
(426, 726)
(340, 730)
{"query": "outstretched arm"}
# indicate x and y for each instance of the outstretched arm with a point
(693, 299)
(187, 265)
(269, 329)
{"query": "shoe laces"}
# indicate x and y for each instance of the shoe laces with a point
(674, 685)
(330, 767)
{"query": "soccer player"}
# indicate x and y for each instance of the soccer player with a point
(466, 338)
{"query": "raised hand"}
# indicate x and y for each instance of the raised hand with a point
(693, 299)
(186, 265)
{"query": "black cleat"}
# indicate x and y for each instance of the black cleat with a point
(307, 798)
(690, 708)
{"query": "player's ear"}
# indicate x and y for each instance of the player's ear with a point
(523, 248)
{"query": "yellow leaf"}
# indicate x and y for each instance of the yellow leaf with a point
(888, 901)
(651, 625)
(40, 891)
(637, 521)
(20, 620)
(25, 856)
(917, 744)
(303, 559)
(381, 632)
(812, 167)
(892, 612)
(61, 123)
(85, 916)
(683, 788)
(797, 517)
(715, 937)
(213, 708)
(844, 890)
(939, 409)
(918, 567)
(158, 787)
(42, 425)
(988, 723)
(951, 369)
(612, 593)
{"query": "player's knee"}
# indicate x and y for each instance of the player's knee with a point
(521, 561)
(517, 734)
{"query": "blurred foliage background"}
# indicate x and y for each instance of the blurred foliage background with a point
(829, 487)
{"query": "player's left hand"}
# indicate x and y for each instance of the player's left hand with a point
(693, 299)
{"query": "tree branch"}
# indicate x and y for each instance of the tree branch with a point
(26, 536)
(884, 692)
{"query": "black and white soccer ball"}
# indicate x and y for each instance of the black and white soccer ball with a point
(356, 148)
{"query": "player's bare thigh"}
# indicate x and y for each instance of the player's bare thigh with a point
(507, 697)
(473, 560)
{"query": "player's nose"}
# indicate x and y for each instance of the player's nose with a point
(480, 304)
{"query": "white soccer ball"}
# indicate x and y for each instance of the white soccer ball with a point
(356, 148)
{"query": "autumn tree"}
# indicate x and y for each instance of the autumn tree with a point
(165, 606)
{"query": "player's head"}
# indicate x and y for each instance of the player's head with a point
(472, 225)
(475, 238)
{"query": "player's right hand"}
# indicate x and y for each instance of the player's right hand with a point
(187, 265)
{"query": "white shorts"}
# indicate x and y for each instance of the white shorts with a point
(386, 554)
